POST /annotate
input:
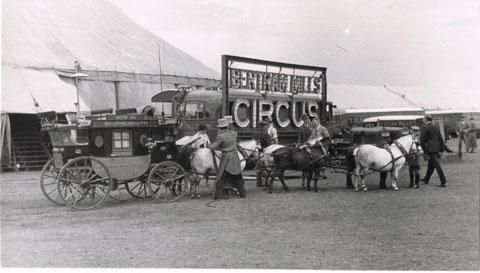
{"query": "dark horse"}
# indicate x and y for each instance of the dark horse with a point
(309, 160)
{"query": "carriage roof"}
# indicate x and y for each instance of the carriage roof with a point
(393, 118)
(375, 130)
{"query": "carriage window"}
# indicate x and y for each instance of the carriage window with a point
(122, 143)
(195, 110)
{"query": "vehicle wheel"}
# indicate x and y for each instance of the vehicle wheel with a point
(84, 183)
(48, 183)
(138, 189)
(167, 181)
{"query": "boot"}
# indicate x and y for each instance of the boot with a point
(417, 179)
(411, 180)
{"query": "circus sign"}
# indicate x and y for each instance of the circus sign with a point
(274, 82)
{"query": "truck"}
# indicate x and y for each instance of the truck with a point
(253, 90)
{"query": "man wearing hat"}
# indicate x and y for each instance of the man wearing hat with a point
(229, 168)
(318, 131)
(305, 129)
(432, 144)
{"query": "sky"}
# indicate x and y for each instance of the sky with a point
(428, 43)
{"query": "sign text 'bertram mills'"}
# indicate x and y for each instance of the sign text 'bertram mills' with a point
(275, 82)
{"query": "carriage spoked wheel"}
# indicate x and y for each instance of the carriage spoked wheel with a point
(139, 188)
(167, 181)
(84, 183)
(48, 183)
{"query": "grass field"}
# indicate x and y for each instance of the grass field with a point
(430, 228)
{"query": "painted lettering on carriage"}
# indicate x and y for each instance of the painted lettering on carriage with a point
(123, 123)
(245, 112)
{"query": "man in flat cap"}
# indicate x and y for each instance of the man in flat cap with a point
(229, 168)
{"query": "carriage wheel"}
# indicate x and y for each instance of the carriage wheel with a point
(48, 183)
(167, 181)
(138, 189)
(84, 183)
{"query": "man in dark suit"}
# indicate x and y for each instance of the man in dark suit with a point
(432, 145)
(305, 131)
(229, 168)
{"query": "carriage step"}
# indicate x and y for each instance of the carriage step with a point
(32, 162)
(29, 148)
(30, 152)
(32, 157)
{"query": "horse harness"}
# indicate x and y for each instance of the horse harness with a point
(402, 150)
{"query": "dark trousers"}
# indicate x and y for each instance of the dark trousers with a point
(434, 164)
(414, 173)
(383, 180)
(236, 181)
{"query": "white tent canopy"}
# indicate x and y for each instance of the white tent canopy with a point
(25, 86)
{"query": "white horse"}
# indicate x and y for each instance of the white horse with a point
(378, 159)
(203, 164)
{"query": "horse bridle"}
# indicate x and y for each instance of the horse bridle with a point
(402, 149)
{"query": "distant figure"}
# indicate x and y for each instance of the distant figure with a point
(271, 130)
(432, 145)
(471, 136)
(264, 139)
(462, 133)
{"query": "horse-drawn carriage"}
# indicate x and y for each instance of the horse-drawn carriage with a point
(112, 152)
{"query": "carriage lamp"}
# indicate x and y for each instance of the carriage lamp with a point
(169, 156)
(78, 151)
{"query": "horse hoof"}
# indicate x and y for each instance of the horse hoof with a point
(192, 196)
(309, 189)
(356, 189)
(395, 188)
(365, 189)
(198, 196)
(286, 189)
(316, 190)
(303, 188)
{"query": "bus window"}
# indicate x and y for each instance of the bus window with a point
(195, 110)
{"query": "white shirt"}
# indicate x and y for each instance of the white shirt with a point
(202, 142)
(272, 132)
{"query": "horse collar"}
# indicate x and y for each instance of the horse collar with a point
(391, 154)
(400, 146)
